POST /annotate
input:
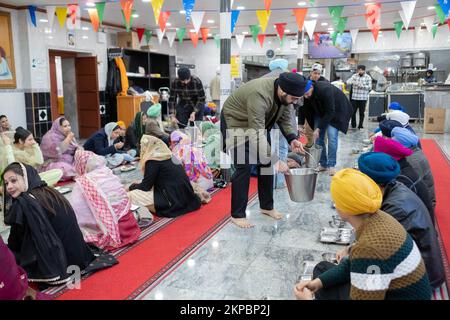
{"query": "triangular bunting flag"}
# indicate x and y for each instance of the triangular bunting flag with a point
(72, 12)
(61, 14)
(267, 4)
(140, 33)
(434, 30)
(354, 33)
(204, 32)
(240, 40)
(341, 25)
(148, 36)
(445, 5)
(334, 36)
(254, 29)
(100, 10)
(429, 22)
(300, 15)
(398, 28)
(188, 6)
(32, 11)
(375, 32)
(280, 29)
(194, 38)
(127, 24)
(217, 40)
(440, 13)
(373, 12)
(448, 22)
(157, 6)
(160, 34)
(261, 38)
(312, 2)
(197, 19)
(316, 39)
(127, 7)
(93, 15)
(405, 22)
(163, 17)
(50, 15)
(180, 34)
(408, 11)
(335, 13)
(171, 37)
(310, 26)
(234, 18)
(263, 18)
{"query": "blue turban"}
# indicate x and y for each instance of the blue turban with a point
(278, 64)
(405, 137)
(379, 166)
(386, 127)
(396, 106)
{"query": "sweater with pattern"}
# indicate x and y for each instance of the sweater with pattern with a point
(384, 264)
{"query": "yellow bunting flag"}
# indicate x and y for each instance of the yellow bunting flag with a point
(157, 6)
(61, 14)
(263, 18)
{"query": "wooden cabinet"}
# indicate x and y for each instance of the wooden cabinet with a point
(127, 107)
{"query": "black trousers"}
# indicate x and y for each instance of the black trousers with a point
(361, 106)
(240, 181)
(184, 112)
(341, 292)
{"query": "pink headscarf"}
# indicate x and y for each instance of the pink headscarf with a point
(51, 142)
(391, 147)
(13, 279)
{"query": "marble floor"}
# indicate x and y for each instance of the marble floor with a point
(266, 261)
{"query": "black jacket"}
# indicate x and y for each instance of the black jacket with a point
(98, 143)
(409, 177)
(408, 209)
(329, 104)
(113, 82)
(172, 191)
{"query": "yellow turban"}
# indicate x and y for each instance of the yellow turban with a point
(121, 124)
(355, 193)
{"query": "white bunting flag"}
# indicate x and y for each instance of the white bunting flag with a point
(197, 19)
(408, 11)
(171, 37)
(50, 15)
(354, 33)
(429, 22)
(240, 40)
(310, 26)
(405, 22)
(160, 35)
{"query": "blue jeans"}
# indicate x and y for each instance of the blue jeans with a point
(283, 150)
(328, 159)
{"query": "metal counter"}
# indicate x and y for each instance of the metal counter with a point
(377, 104)
(413, 102)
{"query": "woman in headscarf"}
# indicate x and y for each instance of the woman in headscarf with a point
(44, 236)
(14, 280)
(102, 143)
(165, 189)
(101, 204)
(384, 263)
(211, 138)
(406, 208)
(128, 152)
(154, 126)
(58, 147)
(193, 160)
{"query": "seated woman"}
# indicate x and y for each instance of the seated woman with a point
(211, 138)
(153, 125)
(165, 189)
(401, 203)
(101, 204)
(193, 160)
(14, 280)
(25, 149)
(129, 152)
(58, 147)
(102, 143)
(44, 237)
(382, 245)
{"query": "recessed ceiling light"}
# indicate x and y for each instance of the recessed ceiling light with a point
(330, 29)
(210, 21)
(85, 28)
(48, 30)
(314, 15)
(192, 30)
(431, 8)
(146, 0)
(287, 31)
(324, 24)
(43, 20)
(209, 35)
(245, 32)
(85, 37)
(168, 24)
(135, 15)
(182, 12)
(240, 8)
(90, 4)
(301, 3)
(50, 37)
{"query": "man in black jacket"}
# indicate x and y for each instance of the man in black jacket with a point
(329, 110)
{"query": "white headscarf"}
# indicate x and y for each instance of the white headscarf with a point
(399, 116)
(109, 128)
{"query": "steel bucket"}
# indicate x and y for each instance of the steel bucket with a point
(312, 156)
(301, 184)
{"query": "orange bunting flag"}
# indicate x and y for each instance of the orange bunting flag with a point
(300, 15)
(204, 32)
(373, 13)
(194, 39)
(375, 32)
(163, 17)
(93, 14)
(261, 38)
(127, 7)
(267, 4)
(73, 12)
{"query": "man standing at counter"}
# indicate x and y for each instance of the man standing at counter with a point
(361, 84)
(430, 78)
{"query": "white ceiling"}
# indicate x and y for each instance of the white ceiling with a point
(281, 12)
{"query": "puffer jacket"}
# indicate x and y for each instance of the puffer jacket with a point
(401, 203)
(419, 162)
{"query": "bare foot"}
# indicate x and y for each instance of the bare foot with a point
(272, 213)
(242, 223)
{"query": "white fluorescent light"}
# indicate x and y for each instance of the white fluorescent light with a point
(146, 0)
(210, 21)
(192, 30)
(314, 15)
(245, 32)
(43, 20)
(431, 8)
(301, 3)
(209, 35)
(240, 8)
(168, 24)
(85, 37)
(90, 4)
(287, 31)
(85, 28)
(182, 12)
(324, 24)
(135, 15)
(330, 29)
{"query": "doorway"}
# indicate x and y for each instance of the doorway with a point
(74, 91)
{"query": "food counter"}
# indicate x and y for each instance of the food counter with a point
(410, 96)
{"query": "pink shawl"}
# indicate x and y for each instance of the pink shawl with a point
(51, 142)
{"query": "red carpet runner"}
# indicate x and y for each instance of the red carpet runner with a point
(440, 166)
(152, 256)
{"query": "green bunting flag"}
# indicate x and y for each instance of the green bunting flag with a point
(334, 36)
(398, 28)
(100, 10)
(148, 36)
(254, 29)
(217, 40)
(128, 26)
(440, 13)
(336, 13)
(434, 30)
(180, 34)
(341, 25)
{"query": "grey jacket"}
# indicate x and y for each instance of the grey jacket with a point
(420, 163)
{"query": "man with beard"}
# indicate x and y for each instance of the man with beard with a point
(247, 117)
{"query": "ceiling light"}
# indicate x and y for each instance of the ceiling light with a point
(90, 4)
(168, 24)
(245, 32)
(240, 8)
(210, 21)
(135, 15)
(314, 15)
(146, 0)
(192, 30)
(85, 28)
(431, 8)
(43, 20)
(209, 35)
(182, 12)
(287, 31)
(48, 30)
(301, 3)
(50, 37)
(85, 37)
(330, 29)
(324, 24)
